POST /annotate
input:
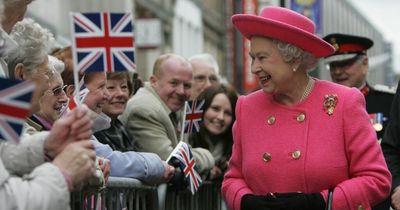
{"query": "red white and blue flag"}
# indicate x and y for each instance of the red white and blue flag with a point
(79, 97)
(187, 164)
(193, 116)
(103, 42)
(15, 102)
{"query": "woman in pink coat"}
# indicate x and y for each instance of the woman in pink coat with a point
(299, 138)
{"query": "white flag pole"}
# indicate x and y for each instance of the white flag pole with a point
(75, 63)
(183, 122)
(181, 135)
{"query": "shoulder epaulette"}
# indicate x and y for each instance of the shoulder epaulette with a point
(385, 89)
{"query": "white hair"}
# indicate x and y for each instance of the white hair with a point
(292, 53)
(33, 42)
(56, 63)
(205, 57)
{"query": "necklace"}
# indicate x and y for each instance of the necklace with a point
(307, 91)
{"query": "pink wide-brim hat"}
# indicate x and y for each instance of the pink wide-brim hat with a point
(285, 25)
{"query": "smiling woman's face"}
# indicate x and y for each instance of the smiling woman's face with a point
(119, 94)
(53, 99)
(219, 116)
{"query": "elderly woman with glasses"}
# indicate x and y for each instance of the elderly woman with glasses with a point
(53, 101)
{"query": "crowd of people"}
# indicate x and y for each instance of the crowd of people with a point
(298, 142)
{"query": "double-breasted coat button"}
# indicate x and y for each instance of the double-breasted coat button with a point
(301, 117)
(271, 120)
(296, 154)
(361, 207)
(267, 157)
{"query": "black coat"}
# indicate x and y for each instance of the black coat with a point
(379, 102)
(391, 140)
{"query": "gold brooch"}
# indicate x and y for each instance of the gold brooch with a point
(330, 103)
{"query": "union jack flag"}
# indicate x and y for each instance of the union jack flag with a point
(194, 113)
(15, 102)
(187, 164)
(103, 42)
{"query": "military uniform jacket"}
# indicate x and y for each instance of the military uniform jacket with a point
(147, 120)
(391, 140)
(303, 148)
(378, 102)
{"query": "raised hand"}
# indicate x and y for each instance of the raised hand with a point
(77, 162)
(75, 126)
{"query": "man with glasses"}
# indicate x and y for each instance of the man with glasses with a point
(205, 73)
(349, 66)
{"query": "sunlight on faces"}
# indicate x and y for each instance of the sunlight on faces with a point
(351, 72)
(273, 73)
(53, 99)
(218, 117)
(203, 77)
(98, 93)
(174, 82)
(119, 94)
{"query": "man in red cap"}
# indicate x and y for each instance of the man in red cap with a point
(349, 66)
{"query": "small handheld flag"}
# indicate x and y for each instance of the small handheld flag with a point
(15, 98)
(103, 42)
(193, 116)
(79, 97)
(187, 164)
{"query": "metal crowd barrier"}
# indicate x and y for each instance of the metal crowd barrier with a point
(120, 193)
(207, 198)
(131, 194)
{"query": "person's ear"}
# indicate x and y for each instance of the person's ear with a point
(295, 66)
(19, 71)
(365, 61)
(69, 90)
(153, 80)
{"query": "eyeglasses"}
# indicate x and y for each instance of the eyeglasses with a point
(59, 90)
(203, 78)
(343, 64)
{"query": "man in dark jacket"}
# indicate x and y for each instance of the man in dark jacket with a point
(391, 148)
(349, 66)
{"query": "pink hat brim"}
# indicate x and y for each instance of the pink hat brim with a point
(252, 25)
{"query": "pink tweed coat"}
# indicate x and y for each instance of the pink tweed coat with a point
(304, 149)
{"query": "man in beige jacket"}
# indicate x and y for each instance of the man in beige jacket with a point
(152, 114)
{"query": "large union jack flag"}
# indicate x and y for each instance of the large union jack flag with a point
(193, 116)
(188, 166)
(15, 98)
(103, 42)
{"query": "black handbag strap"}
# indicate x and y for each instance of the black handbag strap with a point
(329, 200)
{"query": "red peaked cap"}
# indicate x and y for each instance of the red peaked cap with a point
(347, 46)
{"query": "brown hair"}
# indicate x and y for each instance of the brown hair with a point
(121, 76)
